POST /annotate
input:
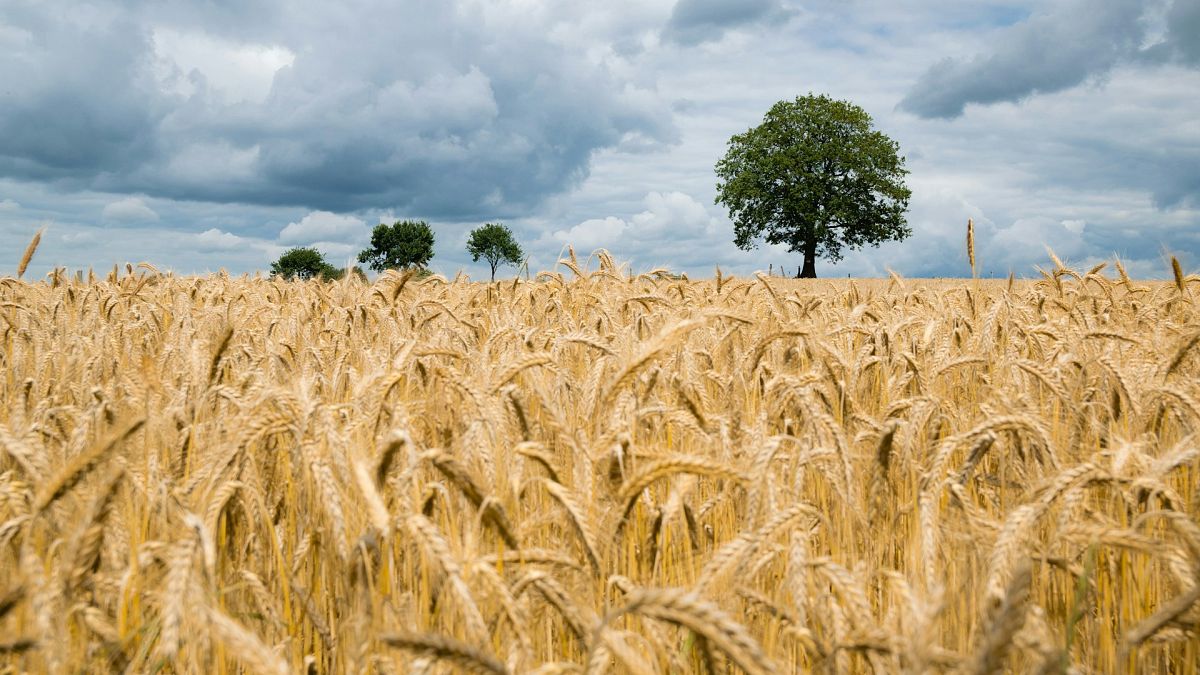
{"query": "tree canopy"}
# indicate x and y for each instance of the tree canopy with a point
(494, 243)
(816, 177)
(406, 243)
(304, 263)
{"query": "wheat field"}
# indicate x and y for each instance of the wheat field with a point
(592, 471)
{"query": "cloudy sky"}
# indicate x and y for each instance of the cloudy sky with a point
(216, 134)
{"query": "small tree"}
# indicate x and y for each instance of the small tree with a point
(494, 243)
(407, 243)
(303, 263)
(816, 177)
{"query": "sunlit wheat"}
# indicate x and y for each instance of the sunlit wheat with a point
(599, 472)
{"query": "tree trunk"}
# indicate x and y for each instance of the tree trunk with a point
(810, 262)
(493, 272)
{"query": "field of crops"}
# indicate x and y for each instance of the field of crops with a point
(592, 472)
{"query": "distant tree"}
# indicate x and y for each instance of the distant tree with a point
(407, 243)
(815, 176)
(494, 243)
(340, 273)
(303, 263)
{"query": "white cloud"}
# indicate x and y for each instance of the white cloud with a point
(79, 237)
(672, 216)
(215, 240)
(338, 253)
(192, 161)
(1027, 239)
(128, 210)
(324, 226)
(594, 233)
(676, 215)
(9, 205)
(239, 71)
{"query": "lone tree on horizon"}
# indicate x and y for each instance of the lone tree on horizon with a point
(494, 243)
(407, 243)
(815, 176)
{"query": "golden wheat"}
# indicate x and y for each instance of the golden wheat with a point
(608, 473)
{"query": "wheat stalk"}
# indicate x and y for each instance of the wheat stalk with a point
(971, 244)
(28, 254)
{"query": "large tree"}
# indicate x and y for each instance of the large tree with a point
(406, 243)
(304, 263)
(494, 243)
(816, 177)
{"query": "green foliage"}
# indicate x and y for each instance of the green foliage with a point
(816, 177)
(407, 243)
(494, 243)
(340, 273)
(304, 263)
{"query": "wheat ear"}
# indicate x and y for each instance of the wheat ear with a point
(666, 339)
(81, 465)
(555, 594)
(1171, 609)
(1182, 352)
(437, 548)
(462, 655)
(396, 442)
(262, 597)
(376, 508)
(222, 346)
(688, 610)
(879, 486)
(18, 646)
(1177, 271)
(537, 452)
(515, 369)
(175, 596)
(733, 554)
(971, 244)
(247, 646)
(28, 255)
(87, 551)
(992, 650)
(575, 510)
(662, 468)
(493, 513)
(10, 599)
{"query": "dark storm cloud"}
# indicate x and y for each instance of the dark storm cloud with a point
(423, 108)
(1046, 53)
(695, 21)
(75, 100)
(1182, 41)
(1171, 176)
